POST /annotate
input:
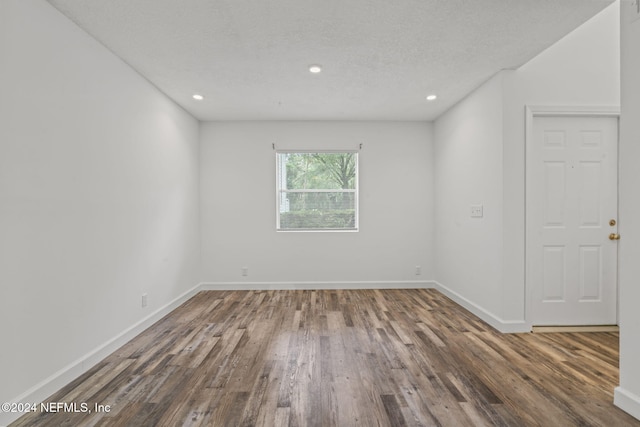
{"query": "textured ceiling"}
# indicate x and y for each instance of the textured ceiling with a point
(380, 58)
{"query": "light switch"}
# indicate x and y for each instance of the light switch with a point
(476, 211)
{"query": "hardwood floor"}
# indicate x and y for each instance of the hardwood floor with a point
(344, 358)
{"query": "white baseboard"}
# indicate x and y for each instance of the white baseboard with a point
(627, 401)
(235, 286)
(504, 326)
(64, 376)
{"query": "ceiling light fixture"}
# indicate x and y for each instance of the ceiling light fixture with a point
(315, 68)
(198, 97)
(432, 97)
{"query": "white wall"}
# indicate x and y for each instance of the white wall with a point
(238, 205)
(468, 170)
(582, 69)
(98, 197)
(627, 396)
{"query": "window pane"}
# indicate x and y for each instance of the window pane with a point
(317, 191)
(304, 171)
(334, 210)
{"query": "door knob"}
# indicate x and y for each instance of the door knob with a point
(614, 236)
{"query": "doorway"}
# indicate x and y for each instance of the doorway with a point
(571, 217)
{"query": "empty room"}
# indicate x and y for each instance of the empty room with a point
(303, 212)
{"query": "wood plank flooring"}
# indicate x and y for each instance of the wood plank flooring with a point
(344, 358)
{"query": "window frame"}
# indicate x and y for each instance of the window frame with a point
(356, 190)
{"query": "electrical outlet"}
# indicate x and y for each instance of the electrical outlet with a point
(418, 270)
(144, 300)
(476, 211)
(245, 271)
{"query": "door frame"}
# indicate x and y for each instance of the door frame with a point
(532, 111)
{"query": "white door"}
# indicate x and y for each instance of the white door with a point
(572, 206)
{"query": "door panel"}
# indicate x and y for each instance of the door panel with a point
(589, 198)
(554, 264)
(555, 194)
(571, 196)
(590, 273)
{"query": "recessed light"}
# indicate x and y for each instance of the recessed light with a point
(315, 68)
(432, 97)
(198, 97)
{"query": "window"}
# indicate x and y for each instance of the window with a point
(317, 190)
